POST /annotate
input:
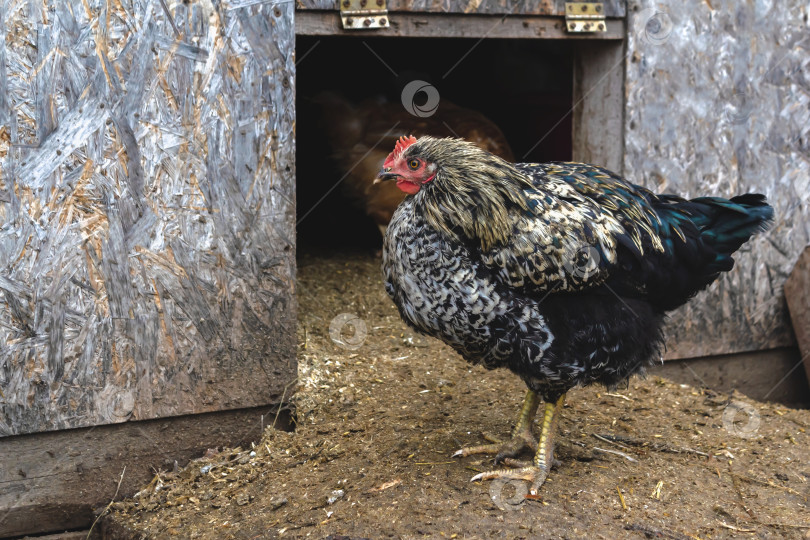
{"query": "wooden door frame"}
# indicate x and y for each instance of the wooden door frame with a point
(599, 62)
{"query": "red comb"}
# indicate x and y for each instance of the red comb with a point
(403, 143)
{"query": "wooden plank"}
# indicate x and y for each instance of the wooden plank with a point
(613, 8)
(53, 481)
(598, 121)
(147, 210)
(797, 292)
(71, 535)
(431, 25)
(769, 375)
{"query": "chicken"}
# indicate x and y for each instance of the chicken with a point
(561, 272)
(360, 138)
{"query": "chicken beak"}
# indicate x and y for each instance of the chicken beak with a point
(384, 175)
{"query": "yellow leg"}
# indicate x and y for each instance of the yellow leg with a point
(537, 472)
(522, 437)
(545, 449)
(527, 412)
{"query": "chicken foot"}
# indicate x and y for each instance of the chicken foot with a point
(538, 470)
(522, 437)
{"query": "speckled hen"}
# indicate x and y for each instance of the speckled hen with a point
(561, 272)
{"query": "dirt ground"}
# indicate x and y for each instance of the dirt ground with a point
(379, 415)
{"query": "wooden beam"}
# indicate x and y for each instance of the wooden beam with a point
(69, 535)
(766, 375)
(797, 293)
(598, 123)
(451, 25)
(613, 8)
(54, 481)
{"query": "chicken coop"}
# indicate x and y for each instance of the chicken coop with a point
(559, 92)
(162, 163)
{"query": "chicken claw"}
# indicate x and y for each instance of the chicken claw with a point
(522, 437)
(536, 476)
(520, 441)
(536, 471)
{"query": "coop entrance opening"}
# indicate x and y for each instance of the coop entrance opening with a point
(356, 95)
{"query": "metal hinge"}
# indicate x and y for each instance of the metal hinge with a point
(585, 17)
(363, 14)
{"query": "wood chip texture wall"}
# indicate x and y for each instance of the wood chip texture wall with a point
(718, 103)
(146, 209)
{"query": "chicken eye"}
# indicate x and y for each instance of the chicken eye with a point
(413, 164)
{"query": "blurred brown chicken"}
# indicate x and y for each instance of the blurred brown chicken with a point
(361, 136)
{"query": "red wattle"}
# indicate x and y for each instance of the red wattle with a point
(408, 187)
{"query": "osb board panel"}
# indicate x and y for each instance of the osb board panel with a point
(797, 292)
(717, 99)
(613, 8)
(146, 209)
(54, 481)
